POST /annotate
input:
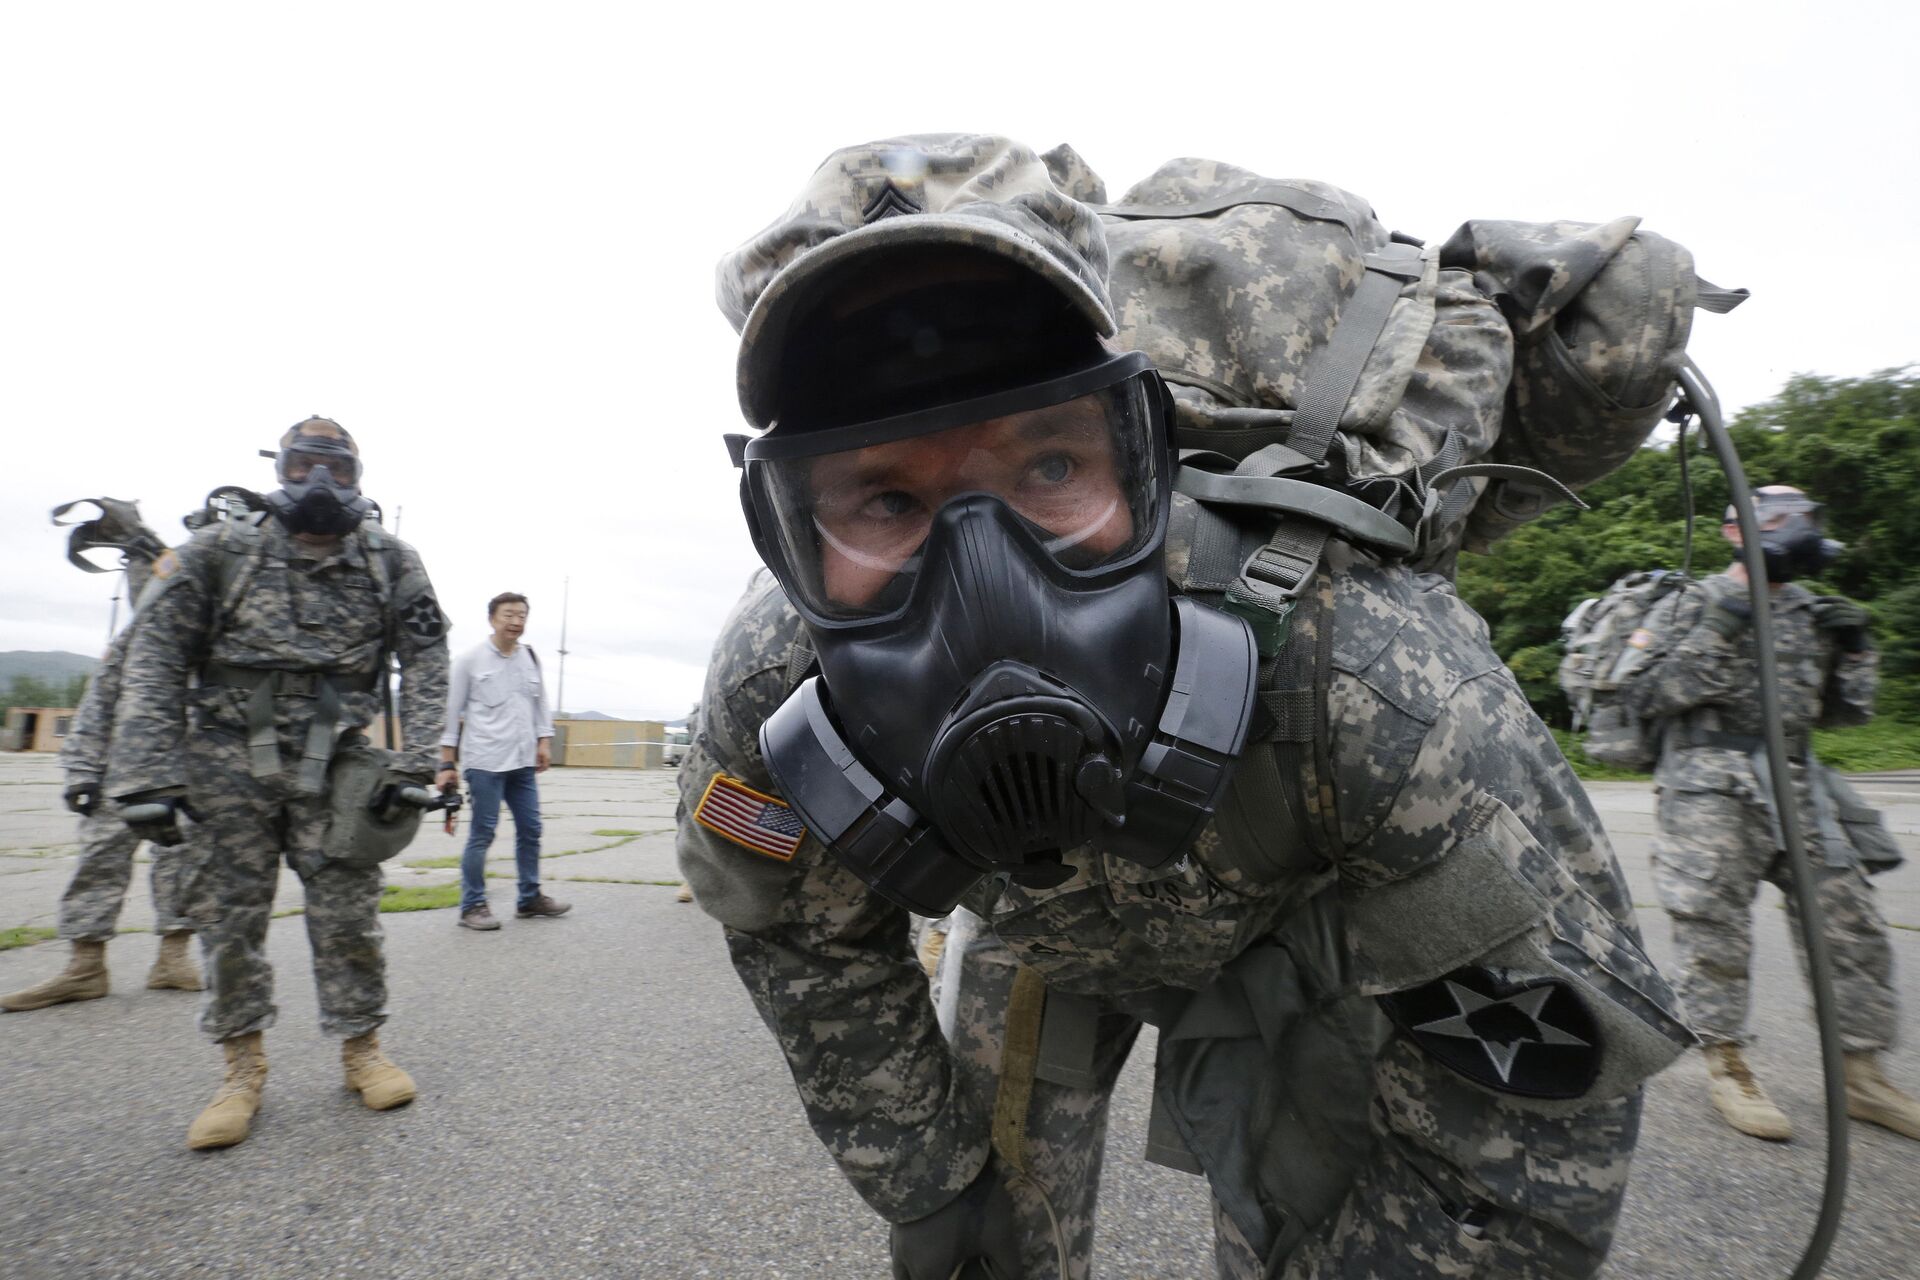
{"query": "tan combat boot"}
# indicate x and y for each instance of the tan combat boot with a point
(1871, 1097)
(380, 1084)
(685, 894)
(173, 968)
(84, 978)
(229, 1117)
(933, 945)
(1738, 1097)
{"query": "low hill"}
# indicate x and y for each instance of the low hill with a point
(53, 666)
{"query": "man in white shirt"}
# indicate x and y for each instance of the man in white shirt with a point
(499, 728)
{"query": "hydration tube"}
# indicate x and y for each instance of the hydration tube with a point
(1698, 397)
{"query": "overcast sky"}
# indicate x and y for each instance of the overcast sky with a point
(482, 237)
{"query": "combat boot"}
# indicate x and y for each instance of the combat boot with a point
(380, 1084)
(933, 945)
(1738, 1097)
(173, 968)
(84, 978)
(1872, 1097)
(229, 1117)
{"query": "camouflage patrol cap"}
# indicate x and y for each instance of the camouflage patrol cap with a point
(1771, 500)
(318, 428)
(953, 191)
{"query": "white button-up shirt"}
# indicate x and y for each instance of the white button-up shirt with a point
(496, 708)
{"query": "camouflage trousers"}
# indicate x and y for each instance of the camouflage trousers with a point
(90, 907)
(1712, 852)
(1066, 1127)
(247, 825)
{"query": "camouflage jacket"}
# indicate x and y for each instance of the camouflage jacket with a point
(291, 608)
(1701, 682)
(1450, 834)
(84, 753)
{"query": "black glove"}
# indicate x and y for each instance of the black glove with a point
(448, 778)
(82, 797)
(1844, 620)
(389, 802)
(155, 815)
(975, 1226)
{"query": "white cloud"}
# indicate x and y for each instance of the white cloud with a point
(483, 237)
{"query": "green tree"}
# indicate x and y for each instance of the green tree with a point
(1853, 443)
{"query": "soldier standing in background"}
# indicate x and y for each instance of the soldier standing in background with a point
(1718, 837)
(286, 620)
(90, 907)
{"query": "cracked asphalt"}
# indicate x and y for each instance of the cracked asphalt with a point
(598, 1098)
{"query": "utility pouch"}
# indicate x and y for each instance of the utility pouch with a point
(1865, 827)
(356, 834)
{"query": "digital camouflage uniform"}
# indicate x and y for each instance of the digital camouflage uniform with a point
(1717, 838)
(289, 609)
(90, 907)
(1449, 836)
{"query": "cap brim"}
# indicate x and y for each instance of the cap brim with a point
(769, 323)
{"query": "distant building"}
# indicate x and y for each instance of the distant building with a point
(594, 741)
(36, 728)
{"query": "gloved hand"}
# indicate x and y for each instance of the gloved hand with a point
(155, 815)
(1728, 613)
(448, 778)
(975, 1226)
(82, 797)
(1846, 621)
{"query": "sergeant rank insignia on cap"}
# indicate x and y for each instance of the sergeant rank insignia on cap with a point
(751, 819)
(1534, 1039)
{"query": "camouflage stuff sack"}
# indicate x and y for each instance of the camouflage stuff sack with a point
(1604, 645)
(357, 833)
(1305, 341)
(1600, 317)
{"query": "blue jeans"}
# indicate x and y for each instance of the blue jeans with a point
(485, 790)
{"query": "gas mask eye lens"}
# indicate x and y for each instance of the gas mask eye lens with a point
(850, 509)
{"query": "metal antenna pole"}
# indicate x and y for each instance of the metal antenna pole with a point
(113, 618)
(397, 513)
(566, 594)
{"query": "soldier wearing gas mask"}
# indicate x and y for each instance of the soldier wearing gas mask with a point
(90, 906)
(275, 629)
(1718, 834)
(1355, 887)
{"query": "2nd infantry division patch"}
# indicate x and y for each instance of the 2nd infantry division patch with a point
(751, 819)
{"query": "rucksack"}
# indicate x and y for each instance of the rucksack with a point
(1604, 645)
(1341, 378)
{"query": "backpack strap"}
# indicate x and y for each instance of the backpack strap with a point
(1335, 370)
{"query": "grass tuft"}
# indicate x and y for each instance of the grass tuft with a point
(25, 935)
(435, 864)
(415, 897)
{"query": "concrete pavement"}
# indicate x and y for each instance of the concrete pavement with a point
(599, 1099)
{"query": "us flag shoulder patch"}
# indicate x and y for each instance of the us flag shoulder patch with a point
(752, 819)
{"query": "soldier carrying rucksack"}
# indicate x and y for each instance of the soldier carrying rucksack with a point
(1098, 604)
(1688, 683)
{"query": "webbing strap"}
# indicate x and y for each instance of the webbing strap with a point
(263, 744)
(1272, 579)
(1284, 194)
(1357, 519)
(1214, 556)
(319, 748)
(1335, 370)
(1711, 297)
(1019, 1057)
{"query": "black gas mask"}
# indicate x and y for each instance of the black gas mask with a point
(1005, 674)
(1796, 546)
(319, 489)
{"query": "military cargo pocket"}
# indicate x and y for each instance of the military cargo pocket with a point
(1698, 832)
